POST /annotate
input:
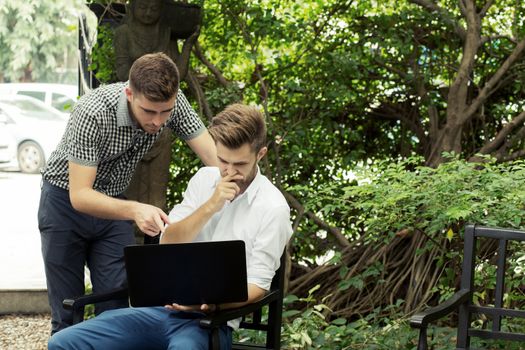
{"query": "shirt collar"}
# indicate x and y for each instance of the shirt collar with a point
(123, 117)
(252, 190)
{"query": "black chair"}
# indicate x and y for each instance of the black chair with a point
(251, 314)
(462, 301)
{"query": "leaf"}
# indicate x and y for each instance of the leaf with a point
(339, 321)
(290, 298)
(291, 313)
(306, 338)
(450, 234)
(312, 290)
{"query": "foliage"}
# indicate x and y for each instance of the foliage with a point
(103, 56)
(419, 211)
(386, 328)
(360, 95)
(405, 195)
(89, 310)
(387, 198)
(35, 36)
(337, 79)
(183, 165)
(375, 76)
(309, 325)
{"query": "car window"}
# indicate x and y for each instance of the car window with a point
(39, 95)
(30, 109)
(61, 102)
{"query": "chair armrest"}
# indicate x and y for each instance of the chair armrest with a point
(223, 316)
(78, 302)
(422, 319)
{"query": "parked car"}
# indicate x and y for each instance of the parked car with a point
(59, 96)
(6, 145)
(34, 129)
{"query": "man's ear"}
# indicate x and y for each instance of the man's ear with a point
(261, 153)
(129, 93)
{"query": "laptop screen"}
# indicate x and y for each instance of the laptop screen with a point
(186, 273)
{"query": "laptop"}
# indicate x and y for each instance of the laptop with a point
(186, 273)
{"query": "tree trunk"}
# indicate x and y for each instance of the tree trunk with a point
(449, 141)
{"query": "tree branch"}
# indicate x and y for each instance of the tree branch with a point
(486, 39)
(503, 133)
(458, 92)
(334, 231)
(485, 8)
(389, 112)
(513, 156)
(513, 142)
(401, 73)
(196, 89)
(489, 87)
(463, 7)
(197, 49)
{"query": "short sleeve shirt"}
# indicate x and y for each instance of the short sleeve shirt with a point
(102, 134)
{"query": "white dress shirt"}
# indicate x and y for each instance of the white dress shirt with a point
(260, 217)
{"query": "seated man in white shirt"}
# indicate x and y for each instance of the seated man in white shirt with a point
(233, 201)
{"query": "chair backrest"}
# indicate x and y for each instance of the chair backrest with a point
(474, 237)
(273, 325)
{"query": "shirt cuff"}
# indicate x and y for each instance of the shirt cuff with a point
(194, 134)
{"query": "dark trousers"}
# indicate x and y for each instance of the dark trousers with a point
(71, 240)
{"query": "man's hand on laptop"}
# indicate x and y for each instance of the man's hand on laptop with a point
(150, 219)
(205, 308)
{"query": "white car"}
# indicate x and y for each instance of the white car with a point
(33, 128)
(59, 96)
(6, 145)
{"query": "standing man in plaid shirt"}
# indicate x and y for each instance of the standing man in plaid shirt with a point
(83, 217)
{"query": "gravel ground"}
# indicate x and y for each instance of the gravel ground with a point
(21, 332)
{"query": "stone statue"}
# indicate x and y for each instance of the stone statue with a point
(145, 30)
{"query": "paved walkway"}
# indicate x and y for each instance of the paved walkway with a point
(21, 265)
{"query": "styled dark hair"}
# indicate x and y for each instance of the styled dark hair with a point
(155, 76)
(238, 124)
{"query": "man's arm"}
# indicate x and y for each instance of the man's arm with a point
(84, 198)
(204, 146)
(254, 294)
(188, 228)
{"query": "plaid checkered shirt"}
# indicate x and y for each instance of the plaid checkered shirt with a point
(101, 133)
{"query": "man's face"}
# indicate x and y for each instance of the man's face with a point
(242, 161)
(150, 116)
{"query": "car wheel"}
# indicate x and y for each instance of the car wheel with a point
(30, 157)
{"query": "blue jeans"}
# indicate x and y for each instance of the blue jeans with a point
(70, 240)
(139, 328)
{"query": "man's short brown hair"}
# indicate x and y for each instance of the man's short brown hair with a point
(155, 76)
(238, 124)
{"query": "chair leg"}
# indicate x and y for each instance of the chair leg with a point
(422, 344)
(78, 315)
(215, 339)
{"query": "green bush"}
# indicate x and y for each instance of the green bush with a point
(378, 202)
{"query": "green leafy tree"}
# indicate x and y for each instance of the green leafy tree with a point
(372, 83)
(35, 36)
(347, 82)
